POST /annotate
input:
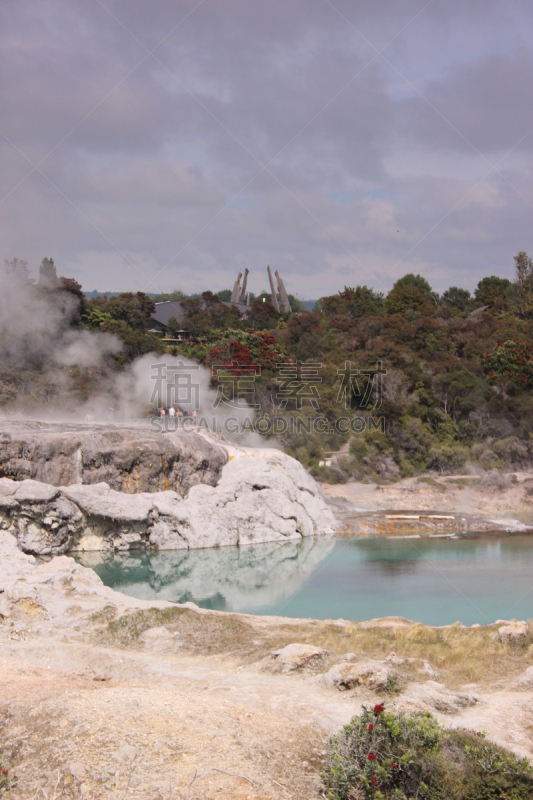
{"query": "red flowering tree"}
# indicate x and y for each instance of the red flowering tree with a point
(243, 349)
(510, 360)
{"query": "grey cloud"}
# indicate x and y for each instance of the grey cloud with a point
(149, 172)
(486, 106)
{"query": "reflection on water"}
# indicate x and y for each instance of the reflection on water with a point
(226, 578)
(436, 581)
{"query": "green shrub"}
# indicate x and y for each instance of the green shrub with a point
(388, 756)
(393, 685)
(432, 482)
(447, 457)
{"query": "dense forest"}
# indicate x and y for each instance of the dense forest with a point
(447, 380)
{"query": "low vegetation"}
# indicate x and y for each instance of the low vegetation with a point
(459, 655)
(388, 756)
(199, 633)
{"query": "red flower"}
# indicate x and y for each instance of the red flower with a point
(371, 757)
(5, 771)
(373, 779)
(378, 708)
(371, 727)
(395, 766)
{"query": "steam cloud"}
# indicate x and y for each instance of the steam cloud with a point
(37, 337)
(34, 329)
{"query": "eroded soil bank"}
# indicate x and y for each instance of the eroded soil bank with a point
(106, 696)
(492, 501)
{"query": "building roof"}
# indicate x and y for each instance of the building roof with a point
(172, 308)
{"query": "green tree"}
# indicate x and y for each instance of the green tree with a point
(225, 294)
(73, 287)
(173, 327)
(175, 295)
(207, 313)
(304, 334)
(353, 303)
(414, 280)
(511, 360)
(263, 315)
(523, 286)
(134, 309)
(70, 289)
(136, 341)
(395, 756)
(491, 289)
(236, 350)
(408, 297)
(457, 298)
(362, 300)
(95, 316)
(295, 302)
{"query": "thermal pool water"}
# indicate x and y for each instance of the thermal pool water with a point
(437, 581)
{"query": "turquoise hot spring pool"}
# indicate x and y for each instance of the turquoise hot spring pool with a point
(437, 581)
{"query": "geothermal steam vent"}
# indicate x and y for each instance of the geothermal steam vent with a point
(65, 487)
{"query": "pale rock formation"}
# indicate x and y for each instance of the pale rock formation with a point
(347, 675)
(296, 656)
(129, 459)
(395, 660)
(426, 667)
(436, 696)
(525, 681)
(349, 657)
(512, 632)
(51, 589)
(255, 500)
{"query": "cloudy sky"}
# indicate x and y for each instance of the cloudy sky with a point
(160, 144)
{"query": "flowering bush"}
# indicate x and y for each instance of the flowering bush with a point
(238, 349)
(386, 756)
(511, 360)
(7, 780)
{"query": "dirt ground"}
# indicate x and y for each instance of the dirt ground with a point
(190, 726)
(509, 498)
(184, 705)
(187, 732)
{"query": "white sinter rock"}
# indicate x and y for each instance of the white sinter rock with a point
(262, 496)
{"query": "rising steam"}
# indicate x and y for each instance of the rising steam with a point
(37, 337)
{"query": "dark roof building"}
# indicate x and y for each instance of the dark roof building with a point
(172, 308)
